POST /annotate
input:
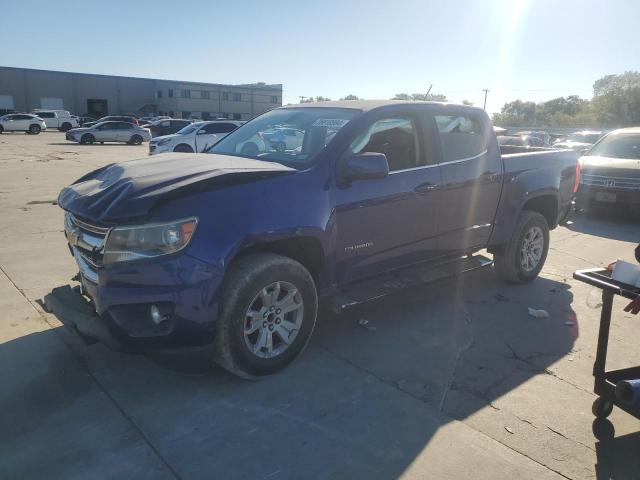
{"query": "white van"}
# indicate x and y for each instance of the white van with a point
(60, 119)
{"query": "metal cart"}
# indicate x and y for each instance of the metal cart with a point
(605, 382)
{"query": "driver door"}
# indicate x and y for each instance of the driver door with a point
(392, 222)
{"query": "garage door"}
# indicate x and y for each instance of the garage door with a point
(51, 103)
(6, 102)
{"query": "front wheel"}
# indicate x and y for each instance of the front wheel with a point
(269, 309)
(183, 148)
(65, 127)
(525, 254)
(87, 139)
(34, 129)
(135, 140)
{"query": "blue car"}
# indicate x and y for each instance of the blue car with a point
(235, 247)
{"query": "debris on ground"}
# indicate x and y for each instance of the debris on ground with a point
(509, 429)
(569, 323)
(500, 298)
(538, 313)
(365, 323)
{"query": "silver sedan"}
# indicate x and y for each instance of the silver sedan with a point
(110, 132)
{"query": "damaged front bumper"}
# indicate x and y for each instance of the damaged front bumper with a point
(165, 302)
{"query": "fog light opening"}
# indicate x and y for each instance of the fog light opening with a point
(157, 316)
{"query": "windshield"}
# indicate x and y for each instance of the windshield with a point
(188, 129)
(291, 136)
(622, 145)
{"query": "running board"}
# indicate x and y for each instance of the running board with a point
(403, 279)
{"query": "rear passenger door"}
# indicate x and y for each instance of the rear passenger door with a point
(124, 131)
(471, 180)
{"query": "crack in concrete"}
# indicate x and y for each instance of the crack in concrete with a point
(570, 439)
(472, 338)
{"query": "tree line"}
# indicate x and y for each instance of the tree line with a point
(615, 103)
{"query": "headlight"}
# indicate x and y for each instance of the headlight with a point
(147, 241)
(164, 141)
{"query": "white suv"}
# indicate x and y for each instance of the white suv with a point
(60, 119)
(196, 137)
(22, 122)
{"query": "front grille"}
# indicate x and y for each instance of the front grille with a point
(614, 183)
(87, 243)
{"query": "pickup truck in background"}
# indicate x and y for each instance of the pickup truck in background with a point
(235, 247)
(60, 119)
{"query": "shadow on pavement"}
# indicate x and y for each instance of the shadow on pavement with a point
(364, 400)
(619, 457)
(615, 223)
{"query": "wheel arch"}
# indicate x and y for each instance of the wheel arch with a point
(545, 204)
(307, 250)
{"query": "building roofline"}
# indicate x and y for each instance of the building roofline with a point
(244, 85)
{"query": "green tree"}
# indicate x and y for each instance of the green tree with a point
(616, 99)
(351, 96)
(322, 99)
(467, 102)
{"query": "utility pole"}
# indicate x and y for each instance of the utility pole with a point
(428, 91)
(485, 90)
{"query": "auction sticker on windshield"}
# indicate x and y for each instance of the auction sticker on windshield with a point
(330, 122)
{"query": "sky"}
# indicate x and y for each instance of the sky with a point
(528, 49)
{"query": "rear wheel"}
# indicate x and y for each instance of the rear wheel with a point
(87, 139)
(135, 140)
(34, 129)
(269, 309)
(1, 129)
(526, 252)
(183, 148)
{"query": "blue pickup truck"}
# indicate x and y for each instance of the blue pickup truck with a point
(235, 247)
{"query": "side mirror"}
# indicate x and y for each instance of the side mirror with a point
(201, 132)
(364, 166)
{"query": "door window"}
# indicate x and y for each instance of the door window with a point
(461, 137)
(45, 114)
(219, 128)
(395, 137)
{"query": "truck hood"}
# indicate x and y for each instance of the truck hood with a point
(131, 190)
(610, 166)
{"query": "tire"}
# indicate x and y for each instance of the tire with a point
(34, 129)
(135, 140)
(250, 149)
(281, 147)
(602, 408)
(239, 350)
(510, 263)
(87, 139)
(65, 127)
(1, 129)
(183, 148)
